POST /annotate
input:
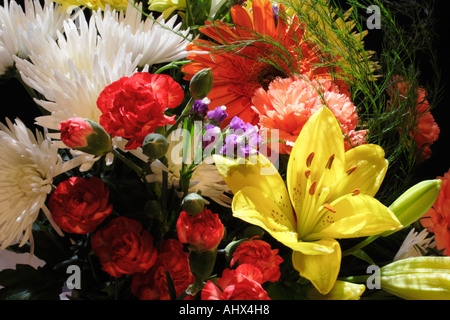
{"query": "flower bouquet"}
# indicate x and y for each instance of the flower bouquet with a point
(221, 150)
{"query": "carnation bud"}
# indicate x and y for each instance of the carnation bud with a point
(201, 84)
(155, 146)
(85, 135)
(415, 202)
(202, 263)
(193, 204)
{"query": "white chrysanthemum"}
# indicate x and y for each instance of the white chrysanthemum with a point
(15, 23)
(72, 71)
(414, 245)
(28, 165)
(157, 40)
(205, 179)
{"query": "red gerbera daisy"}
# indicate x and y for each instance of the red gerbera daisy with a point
(263, 50)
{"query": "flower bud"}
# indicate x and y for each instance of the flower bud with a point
(155, 146)
(85, 135)
(415, 202)
(342, 290)
(193, 204)
(201, 84)
(424, 278)
(202, 263)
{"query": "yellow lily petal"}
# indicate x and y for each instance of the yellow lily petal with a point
(321, 269)
(316, 161)
(365, 168)
(354, 216)
(256, 171)
(260, 208)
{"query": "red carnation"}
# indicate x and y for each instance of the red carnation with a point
(426, 131)
(203, 231)
(152, 285)
(79, 205)
(437, 218)
(123, 247)
(134, 107)
(258, 253)
(243, 283)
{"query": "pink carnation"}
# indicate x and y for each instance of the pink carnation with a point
(288, 104)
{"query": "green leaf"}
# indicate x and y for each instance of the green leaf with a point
(27, 283)
(48, 246)
(287, 291)
(360, 254)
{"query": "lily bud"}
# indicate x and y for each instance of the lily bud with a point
(85, 135)
(201, 84)
(419, 278)
(342, 290)
(193, 204)
(415, 202)
(155, 146)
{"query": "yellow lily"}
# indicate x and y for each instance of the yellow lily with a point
(329, 195)
(167, 7)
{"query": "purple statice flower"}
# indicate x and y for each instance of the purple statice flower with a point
(199, 108)
(217, 115)
(210, 136)
(241, 137)
(237, 124)
(276, 12)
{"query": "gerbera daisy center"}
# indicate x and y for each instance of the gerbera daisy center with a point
(266, 74)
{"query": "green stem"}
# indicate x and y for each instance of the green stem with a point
(360, 245)
(128, 162)
(164, 190)
(183, 115)
(356, 279)
(50, 235)
(173, 64)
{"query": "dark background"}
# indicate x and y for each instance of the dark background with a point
(17, 103)
(439, 163)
